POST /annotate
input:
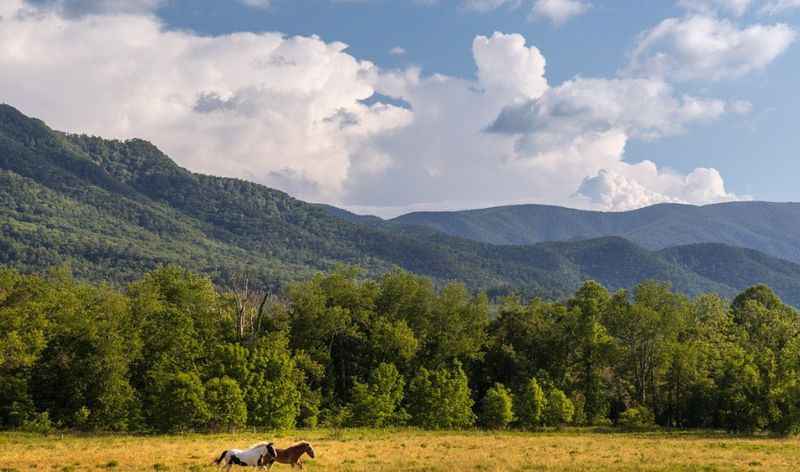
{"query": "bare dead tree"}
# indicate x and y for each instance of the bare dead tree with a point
(252, 305)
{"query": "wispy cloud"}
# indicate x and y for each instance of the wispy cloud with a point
(559, 11)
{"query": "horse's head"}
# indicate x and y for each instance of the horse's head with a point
(271, 452)
(309, 450)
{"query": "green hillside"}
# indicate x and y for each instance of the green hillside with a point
(772, 228)
(114, 209)
(738, 268)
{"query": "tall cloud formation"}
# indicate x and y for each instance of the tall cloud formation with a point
(584, 124)
(258, 106)
(511, 137)
(304, 115)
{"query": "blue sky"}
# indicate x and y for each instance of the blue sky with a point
(673, 101)
(436, 37)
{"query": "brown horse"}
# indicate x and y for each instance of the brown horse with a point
(291, 455)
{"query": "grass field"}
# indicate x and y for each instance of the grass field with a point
(408, 450)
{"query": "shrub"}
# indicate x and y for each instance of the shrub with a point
(637, 417)
(40, 423)
(497, 408)
(81, 420)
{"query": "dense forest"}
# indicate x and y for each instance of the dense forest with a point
(170, 352)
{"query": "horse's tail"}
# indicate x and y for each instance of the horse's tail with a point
(221, 456)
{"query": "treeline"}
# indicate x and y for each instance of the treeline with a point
(173, 353)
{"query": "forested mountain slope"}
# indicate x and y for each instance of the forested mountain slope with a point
(114, 210)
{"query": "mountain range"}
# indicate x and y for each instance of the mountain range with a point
(115, 209)
(772, 228)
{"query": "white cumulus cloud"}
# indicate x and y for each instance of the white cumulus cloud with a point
(507, 66)
(576, 134)
(258, 106)
(623, 190)
(304, 115)
(642, 108)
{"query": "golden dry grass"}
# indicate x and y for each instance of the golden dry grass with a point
(409, 450)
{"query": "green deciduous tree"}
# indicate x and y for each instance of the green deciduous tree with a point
(441, 399)
(82, 376)
(559, 410)
(178, 402)
(592, 346)
(226, 406)
(272, 392)
(378, 402)
(530, 404)
(497, 410)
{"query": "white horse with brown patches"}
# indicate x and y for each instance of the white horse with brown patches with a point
(257, 456)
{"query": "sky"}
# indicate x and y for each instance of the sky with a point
(390, 106)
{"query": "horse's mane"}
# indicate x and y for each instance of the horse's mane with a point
(261, 444)
(300, 444)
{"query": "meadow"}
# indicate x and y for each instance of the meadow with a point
(413, 450)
